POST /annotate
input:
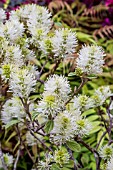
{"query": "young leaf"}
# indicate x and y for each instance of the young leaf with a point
(11, 123)
(49, 126)
(74, 146)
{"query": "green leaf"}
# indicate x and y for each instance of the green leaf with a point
(72, 74)
(55, 167)
(49, 126)
(74, 146)
(34, 115)
(85, 159)
(11, 123)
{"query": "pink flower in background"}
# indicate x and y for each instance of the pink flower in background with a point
(109, 2)
(3, 1)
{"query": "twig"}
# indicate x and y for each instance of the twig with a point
(72, 158)
(96, 154)
(101, 139)
(17, 158)
(39, 140)
(84, 81)
(22, 143)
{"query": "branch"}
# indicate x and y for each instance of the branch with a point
(39, 140)
(84, 81)
(96, 154)
(16, 161)
(71, 157)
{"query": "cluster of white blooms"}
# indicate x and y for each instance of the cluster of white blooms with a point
(2, 15)
(64, 127)
(56, 92)
(13, 55)
(13, 108)
(68, 125)
(64, 43)
(83, 126)
(8, 159)
(106, 152)
(22, 82)
(11, 30)
(61, 156)
(45, 165)
(36, 18)
(110, 164)
(82, 102)
(58, 85)
(101, 94)
(90, 60)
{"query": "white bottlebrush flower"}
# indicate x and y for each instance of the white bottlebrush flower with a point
(13, 108)
(50, 104)
(13, 55)
(23, 12)
(110, 164)
(45, 165)
(64, 43)
(2, 15)
(58, 85)
(82, 102)
(39, 20)
(90, 59)
(101, 94)
(8, 159)
(64, 128)
(61, 157)
(46, 46)
(11, 30)
(83, 126)
(32, 12)
(22, 82)
(106, 152)
(6, 71)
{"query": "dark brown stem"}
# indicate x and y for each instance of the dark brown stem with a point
(22, 143)
(71, 157)
(84, 81)
(32, 133)
(110, 120)
(101, 139)
(96, 154)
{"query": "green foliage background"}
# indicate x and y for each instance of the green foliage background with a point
(71, 16)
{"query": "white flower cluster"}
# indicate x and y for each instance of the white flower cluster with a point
(106, 152)
(56, 92)
(110, 164)
(22, 82)
(68, 125)
(8, 159)
(2, 15)
(90, 60)
(13, 108)
(11, 30)
(61, 156)
(83, 102)
(101, 94)
(64, 43)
